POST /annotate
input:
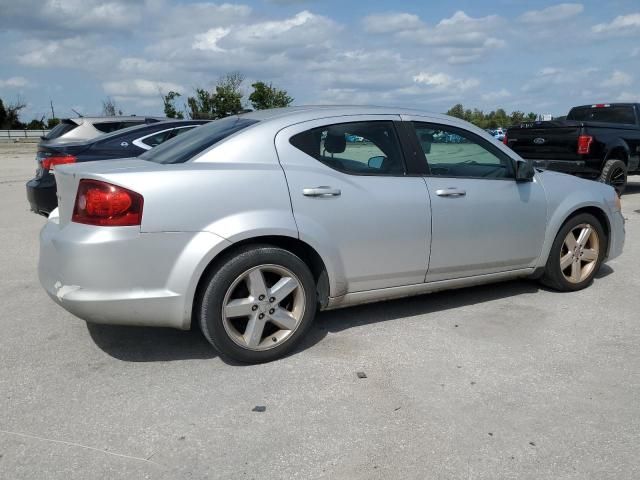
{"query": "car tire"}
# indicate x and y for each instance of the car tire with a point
(583, 263)
(614, 173)
(243, 312)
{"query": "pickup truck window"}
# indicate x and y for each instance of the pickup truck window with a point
(613, 114)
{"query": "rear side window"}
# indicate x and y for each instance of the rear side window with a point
(156, 138)
(187, 145)
(619, 114)
(60, 129)
(361, 148)
(108, 127)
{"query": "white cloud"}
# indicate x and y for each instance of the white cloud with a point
(497, 95)
(70, 15)
(572, 78)
(84, 52)
(618, 79)
(554, 13)
(628, 97)
(623, 24)
(14, 82)
(391, 22)
(443, 82)
(303, 29)
(209, 39)
(139, 88)
(460, 38)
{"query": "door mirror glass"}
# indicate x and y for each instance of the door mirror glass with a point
(524, 170)
(376, 162)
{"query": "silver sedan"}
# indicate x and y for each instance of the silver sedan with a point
(250, 224)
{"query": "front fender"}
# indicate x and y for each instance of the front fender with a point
(567, 195)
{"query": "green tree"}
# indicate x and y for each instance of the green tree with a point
(109, 108)
(10, 114)
(225, 100)
(36, 124)
(52, 122)
(169, 105)
(531, 117)
(516, 117)
(3, 114)
(266, 96)
(456, 111)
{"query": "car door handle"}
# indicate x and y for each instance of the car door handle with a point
(451, 192)
(321, 192)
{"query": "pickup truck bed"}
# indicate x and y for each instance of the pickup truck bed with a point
(593, 142)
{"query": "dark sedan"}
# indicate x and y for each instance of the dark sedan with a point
(128, 142)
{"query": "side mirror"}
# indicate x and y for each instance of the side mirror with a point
(524, 170)
(376, 162)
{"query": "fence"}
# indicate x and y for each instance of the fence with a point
(21, 135)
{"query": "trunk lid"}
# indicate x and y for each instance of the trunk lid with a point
(553, 140)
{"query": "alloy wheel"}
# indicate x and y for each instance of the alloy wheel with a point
(580, 252)
(263, 307)
(618, 180)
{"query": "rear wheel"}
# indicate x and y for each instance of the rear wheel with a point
(258, 304)
(614, 173)
(576, 254)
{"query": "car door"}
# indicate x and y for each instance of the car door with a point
(483, 221)
(355, 203)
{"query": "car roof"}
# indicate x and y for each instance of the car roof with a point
(128, 118)
(135, 130)
(310, 112)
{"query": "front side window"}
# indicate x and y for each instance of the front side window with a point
(361, 148)
(453, 152)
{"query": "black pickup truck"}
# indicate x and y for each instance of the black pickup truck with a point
(599, 141)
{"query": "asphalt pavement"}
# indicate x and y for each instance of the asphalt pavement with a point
(505, 381)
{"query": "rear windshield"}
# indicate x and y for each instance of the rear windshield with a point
(189, 144)
(619, 114)
(108, 127)
(63, 127)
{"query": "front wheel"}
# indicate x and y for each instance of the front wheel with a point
(258, 304)
(576, 254)
(614, 173)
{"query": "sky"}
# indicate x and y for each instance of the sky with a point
(541, 57)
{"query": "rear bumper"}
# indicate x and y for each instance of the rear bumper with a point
(119, 275)
(41, 194)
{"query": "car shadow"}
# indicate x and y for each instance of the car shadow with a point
(145, 344)
(631, 188)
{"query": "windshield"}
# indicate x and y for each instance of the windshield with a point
(189, 144)
(619, 114)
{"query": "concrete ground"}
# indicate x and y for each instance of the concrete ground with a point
(502, 381)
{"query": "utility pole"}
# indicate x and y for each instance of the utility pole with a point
(53, 115)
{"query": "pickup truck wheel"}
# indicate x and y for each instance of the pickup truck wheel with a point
(258, 304)
(614, 173)
(576, 254)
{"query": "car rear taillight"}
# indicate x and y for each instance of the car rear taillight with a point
(505, 140)
(49, 162)
(584, 144)
(103, 204)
